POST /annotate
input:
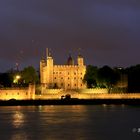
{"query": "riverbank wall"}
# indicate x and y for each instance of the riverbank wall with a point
(30, 93)
(90, 96)
(17, 93)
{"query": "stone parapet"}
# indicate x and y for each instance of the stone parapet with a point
(18, 93)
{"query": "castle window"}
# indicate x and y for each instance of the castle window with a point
(81, 85)
(59, 72)
(68, 73)
(68, 78)
(75, 73)
(81, 73)
(75, 85)
(53, 72)
(61, 84)
(6, 93)
(61, 77)
(68, 85)
(74, 77)
(54, 77)
(26, 93)
(17, 93)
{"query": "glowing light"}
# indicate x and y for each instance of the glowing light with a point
(16, 79)
(18, 119)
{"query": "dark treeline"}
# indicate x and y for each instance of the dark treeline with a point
(104, 77)
(113, 78)
(95, 77)
(133, 73)
(14, 78)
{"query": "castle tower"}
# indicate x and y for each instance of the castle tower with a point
(49, 72)
(42, 65)
(81, 71)
(69, 76)
(80, 60)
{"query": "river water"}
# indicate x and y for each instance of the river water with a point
(80, 122)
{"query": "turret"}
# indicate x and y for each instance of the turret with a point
(42, 65)
(70, 60)
(42, 62)
(80, 60)
(49, 69)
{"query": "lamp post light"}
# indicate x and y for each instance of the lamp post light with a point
(16, 79)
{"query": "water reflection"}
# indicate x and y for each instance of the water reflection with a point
(68, 122)
(19, 136)
(18, 119)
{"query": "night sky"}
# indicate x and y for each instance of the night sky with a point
(107, 31)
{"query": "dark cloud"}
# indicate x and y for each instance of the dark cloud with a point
(107, 31)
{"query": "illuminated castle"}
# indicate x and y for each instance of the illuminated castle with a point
(69, 76)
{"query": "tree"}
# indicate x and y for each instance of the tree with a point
(6, 79)
(107, 77)
(90, 76)
(29, 75)
(133, 78)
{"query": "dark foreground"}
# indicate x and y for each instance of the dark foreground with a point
(71, 102)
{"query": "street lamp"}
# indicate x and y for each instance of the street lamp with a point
(16, 79)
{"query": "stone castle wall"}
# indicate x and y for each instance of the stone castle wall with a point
(18, 93)
(93, 90)
(51, 91)
(97, 93)
(29, 93)
(91, 96)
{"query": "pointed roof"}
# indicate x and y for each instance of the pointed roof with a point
(70, 60)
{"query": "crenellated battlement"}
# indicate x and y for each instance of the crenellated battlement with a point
(65, 66)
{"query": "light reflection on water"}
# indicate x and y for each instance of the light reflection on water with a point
(18, 119)
(77, 122)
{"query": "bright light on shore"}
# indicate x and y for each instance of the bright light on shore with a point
(16, 79)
